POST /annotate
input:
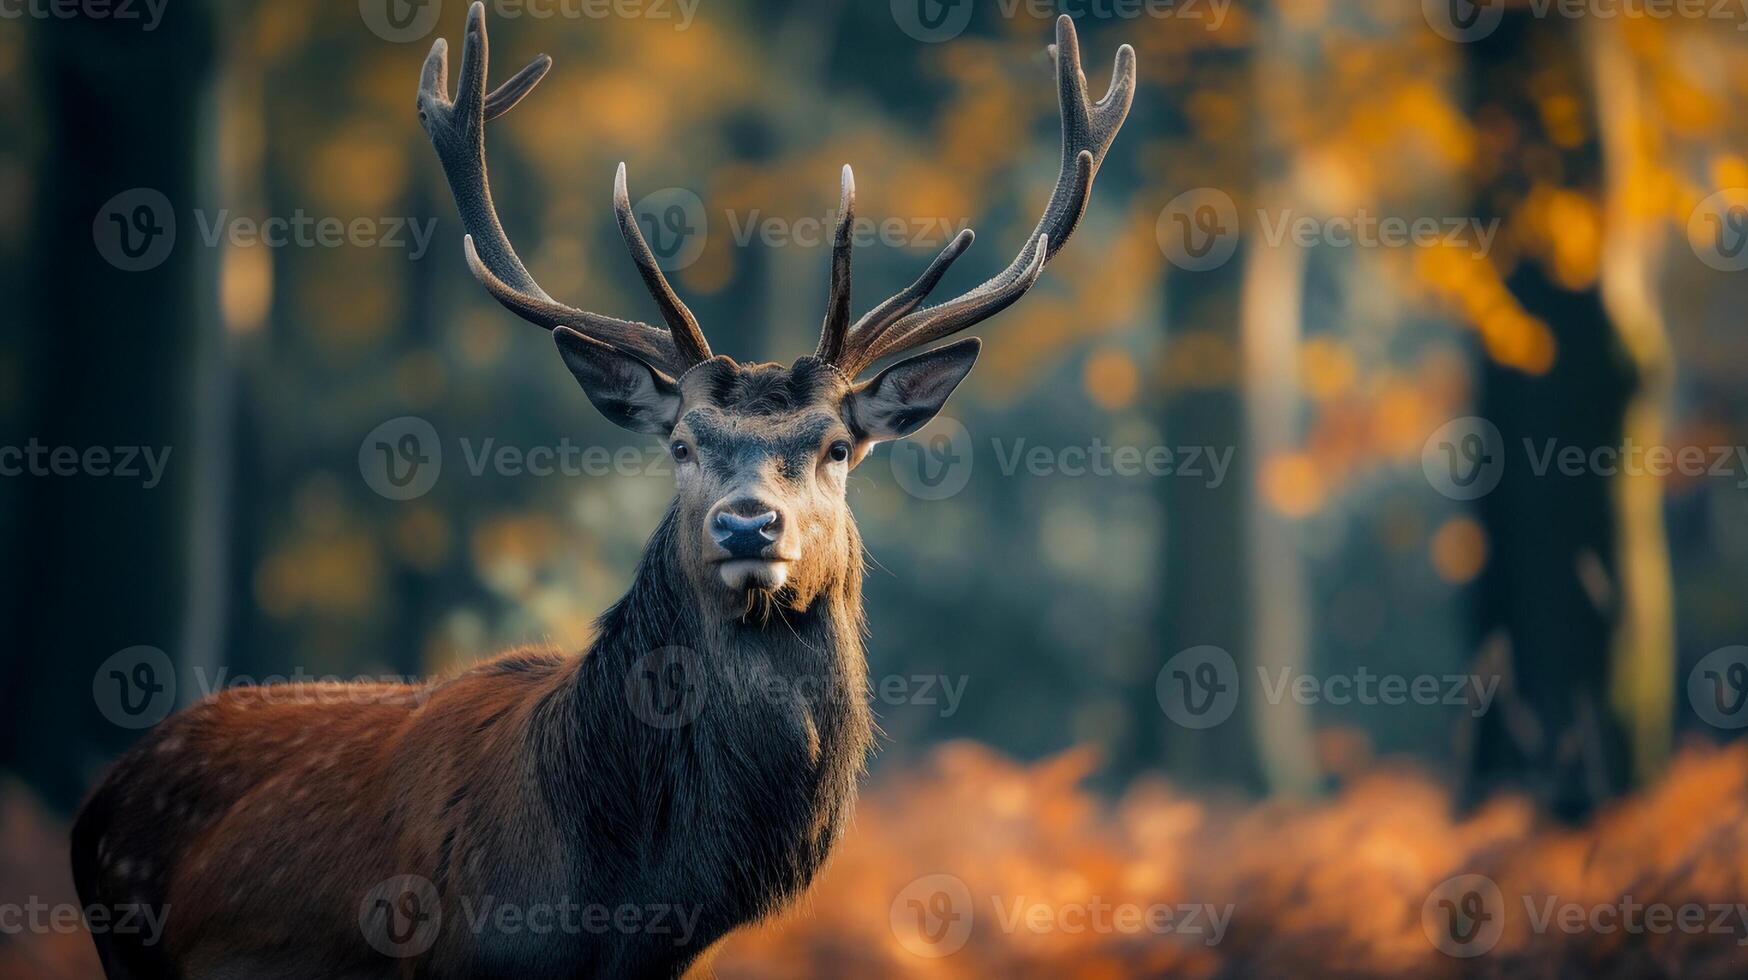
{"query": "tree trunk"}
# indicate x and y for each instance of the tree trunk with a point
(1553, 600)
(102, 562)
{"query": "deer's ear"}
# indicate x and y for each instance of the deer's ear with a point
(623, 386)
(905, 396)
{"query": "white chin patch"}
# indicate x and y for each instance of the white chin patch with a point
(746, 574)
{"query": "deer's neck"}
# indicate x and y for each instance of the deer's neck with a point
(704, 749)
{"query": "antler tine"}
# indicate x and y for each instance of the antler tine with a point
(688, 338)
(868, 330)
(835, 332)
(1087, 133)
(505, 96)
(650, 343)
(457, 130)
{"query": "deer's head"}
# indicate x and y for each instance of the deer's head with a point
(761, 452)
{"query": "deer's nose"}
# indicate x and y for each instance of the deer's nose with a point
(745, 536)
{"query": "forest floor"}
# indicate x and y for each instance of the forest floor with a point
(972, 865)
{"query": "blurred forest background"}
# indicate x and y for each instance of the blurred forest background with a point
(1606, 148)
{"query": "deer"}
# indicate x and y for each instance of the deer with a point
(694, 764)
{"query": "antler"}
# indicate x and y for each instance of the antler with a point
(837, 307)
(457, 131)
(897, 325)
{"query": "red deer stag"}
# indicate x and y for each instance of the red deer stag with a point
(308, 830)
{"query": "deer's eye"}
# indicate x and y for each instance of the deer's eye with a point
(681, 451)
(839, 452)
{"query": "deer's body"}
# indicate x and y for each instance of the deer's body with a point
(535, 782)
(534, 816)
